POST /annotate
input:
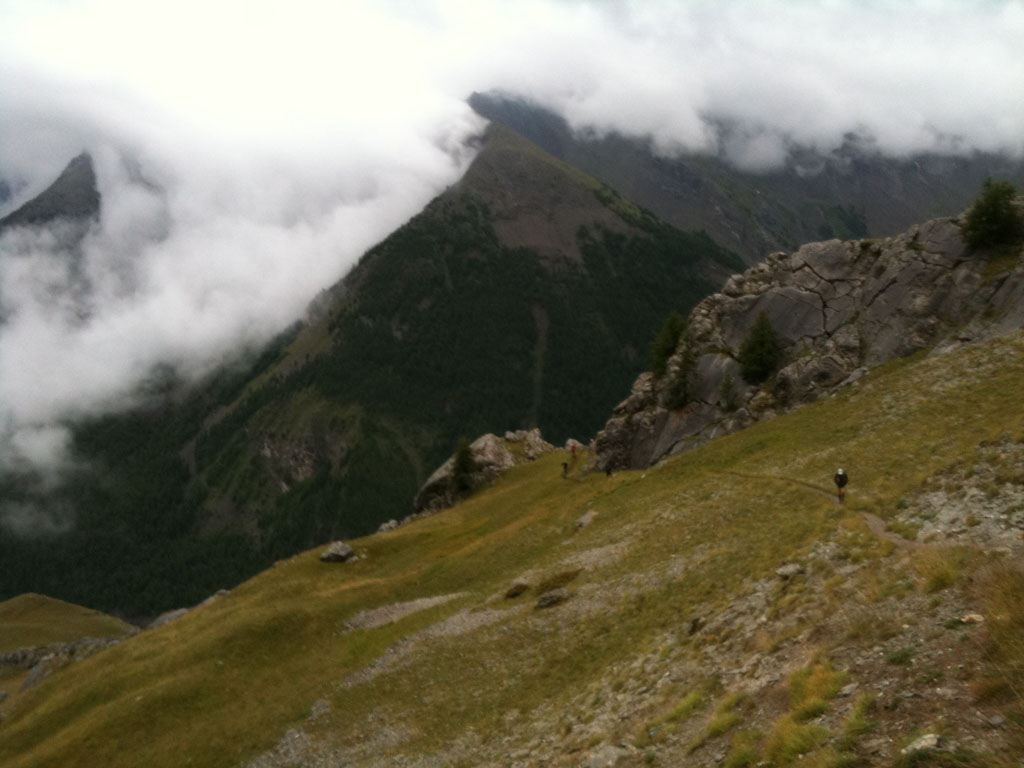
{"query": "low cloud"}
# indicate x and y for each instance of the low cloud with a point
(248, 153)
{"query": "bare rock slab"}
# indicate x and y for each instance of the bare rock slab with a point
(338, 552)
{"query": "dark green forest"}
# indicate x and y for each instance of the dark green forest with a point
(441, 332)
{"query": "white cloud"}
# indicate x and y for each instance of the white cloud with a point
(249, 152)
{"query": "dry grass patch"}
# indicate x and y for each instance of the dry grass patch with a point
(726, 716)
(938, 568)
(1001, 588)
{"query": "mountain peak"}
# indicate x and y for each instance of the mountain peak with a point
(73, 195)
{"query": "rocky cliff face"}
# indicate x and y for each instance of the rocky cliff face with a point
(839, 307)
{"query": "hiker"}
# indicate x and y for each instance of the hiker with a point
(840, 480)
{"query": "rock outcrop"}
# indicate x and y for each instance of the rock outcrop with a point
(45, 660)
(839, 307)
(338, 552)
(491, 456)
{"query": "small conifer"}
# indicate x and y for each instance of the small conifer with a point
(993, 220)
(464, 466)
(761, 353)
(665, 343)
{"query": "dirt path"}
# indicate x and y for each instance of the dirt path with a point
(880, 528)
(875, 524)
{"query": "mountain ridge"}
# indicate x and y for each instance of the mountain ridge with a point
(461, 322)
(851, 193)
(73, 195)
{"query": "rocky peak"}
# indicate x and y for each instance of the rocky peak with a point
(839, 307)
(73, 195)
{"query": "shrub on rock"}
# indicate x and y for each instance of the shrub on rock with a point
(761, 353)
(993, 219)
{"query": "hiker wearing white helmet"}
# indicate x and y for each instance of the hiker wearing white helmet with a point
(840, 480)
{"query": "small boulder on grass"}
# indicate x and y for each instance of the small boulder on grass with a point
(789, 570)
(552, 597)
(927, 743)
(516, 589)
(338, 552)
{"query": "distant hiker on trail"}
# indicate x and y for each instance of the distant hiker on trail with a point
(840, 480)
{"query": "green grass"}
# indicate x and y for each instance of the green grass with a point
(28, 621)
(224, 683)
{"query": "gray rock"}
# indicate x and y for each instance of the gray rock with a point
(167, 617)
(840, 308)
(926, 743)
(849, 689)
(338, 552)
(491, 458)
(390, 525)
(22, 658)
(552, 597)
(789, 570)
(214, 597)
(605, 757)
(875, 746)
(43, 670)
(586, 519)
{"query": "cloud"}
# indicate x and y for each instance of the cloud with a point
(249, 152)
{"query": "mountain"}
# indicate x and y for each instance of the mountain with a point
(524, 296)
(74, 195)
(835, 309)
(718, 609)
(853, 192)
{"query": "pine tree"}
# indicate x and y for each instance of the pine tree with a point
(464, 466)
(993, 219)
(761, 353)
(665, 343)
(681, 392)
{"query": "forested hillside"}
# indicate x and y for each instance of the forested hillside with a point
(527, 295)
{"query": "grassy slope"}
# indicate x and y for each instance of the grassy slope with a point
(224, 683)
(31, 620)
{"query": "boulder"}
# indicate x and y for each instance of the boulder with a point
(926, 743)
(586, 519)
(789, 570)
(552, 597)
(338, 552)
(607, 756)
(533, 444)
(167, 617)
(491, 457)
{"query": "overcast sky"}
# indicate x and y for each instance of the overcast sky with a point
(249, 152)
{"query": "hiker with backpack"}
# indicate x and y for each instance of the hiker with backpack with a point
(840, 479)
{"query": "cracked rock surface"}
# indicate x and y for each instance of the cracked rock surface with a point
(839, 307)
